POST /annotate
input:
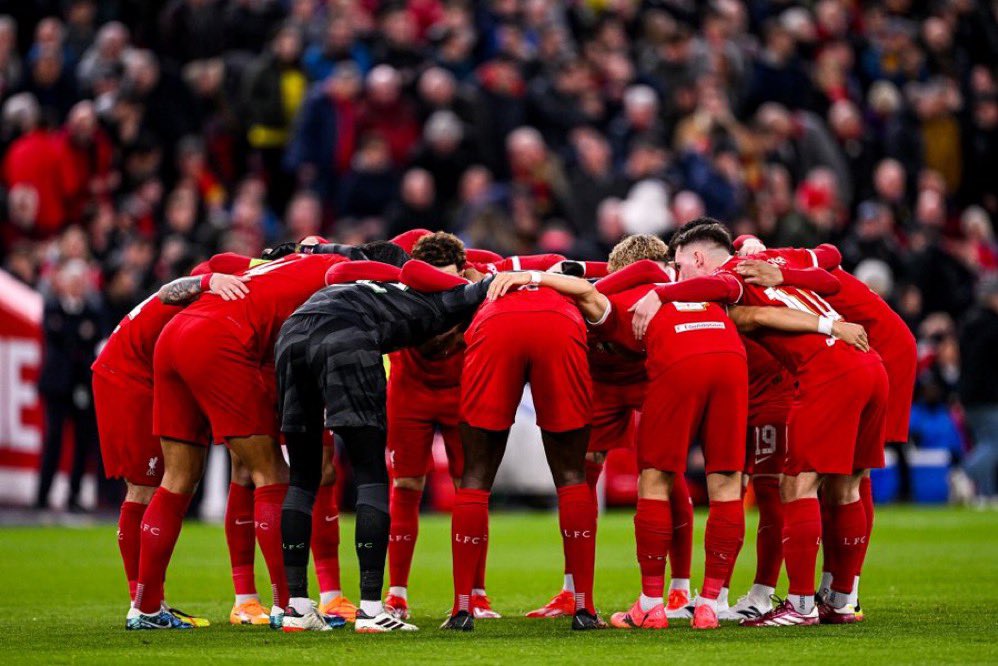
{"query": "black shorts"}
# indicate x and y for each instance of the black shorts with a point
(329, 363)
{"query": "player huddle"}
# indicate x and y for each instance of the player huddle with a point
(788, 371)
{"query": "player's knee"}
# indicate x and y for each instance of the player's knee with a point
(299, 499)
(597, 457)
(724, 487)
(409, 482)
(374, 495)
(655, 484)
(139, 494)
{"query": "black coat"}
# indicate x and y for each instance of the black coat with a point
(979, 358)
(71, 340)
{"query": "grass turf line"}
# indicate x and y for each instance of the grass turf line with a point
(929, 589)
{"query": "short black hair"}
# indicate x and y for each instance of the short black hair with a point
(385, 252)
(703, 229)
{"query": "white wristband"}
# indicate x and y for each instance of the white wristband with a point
(825, 325)
(535, 277)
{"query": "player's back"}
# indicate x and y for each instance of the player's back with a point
(855, 301)
(681, 330)
(793, 349)
(771, 388)
(414, 365)
(530, 298)
(276, 289)
(129, 349)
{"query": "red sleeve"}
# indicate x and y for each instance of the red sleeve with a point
(423, 277)
(350, 271)
(638, 273)
(720, 288)
(596, 269)
(229, 262)
(817, 280)
(827, 256)
(476, 256)
(202, 269)
(407, 240)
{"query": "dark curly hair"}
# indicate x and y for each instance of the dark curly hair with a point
(440, 249)
(703, 229)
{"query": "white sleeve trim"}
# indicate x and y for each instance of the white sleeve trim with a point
(516, 263)
(814, 257)
(606, 315)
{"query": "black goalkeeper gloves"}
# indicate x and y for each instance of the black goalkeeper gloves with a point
(284, 249)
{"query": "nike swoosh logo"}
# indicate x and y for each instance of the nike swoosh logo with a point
(243, 522)
(680, 526)
(763, 459)
(330, 519)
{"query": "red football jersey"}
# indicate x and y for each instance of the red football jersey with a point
(771, 388)
(411, 365)
(793, 350)
(615, 357)
(129, 349)
(276, 289)
(529, 298)
(855, 301)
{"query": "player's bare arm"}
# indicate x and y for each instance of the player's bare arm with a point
(185, 290)
(749, 318)
(590, 302)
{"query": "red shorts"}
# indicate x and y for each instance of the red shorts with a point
(128, 447)
(901, 363)
(703, 396)
(415, 414)
(766, 448)
(837, 425)
(614, 419)
(207, 386)
(508, 350)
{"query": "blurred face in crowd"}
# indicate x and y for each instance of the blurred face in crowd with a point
(82, 123)
(304, 216)
(383, 85)
(889, 179)
(339, 35)
(287, 46)
(845, 120)
(417, 189)
(930, 209)
(48, 68)
(374, 155)
(112, 40)
(8, 37)
(641, 107)
(49, 34)
(526, 150)
(593, 152)
(475, 184)
(686, 206)
(437, 87)
(71, 280)
(399, 28)
(181, 210)
(832, 18)
(345, 83)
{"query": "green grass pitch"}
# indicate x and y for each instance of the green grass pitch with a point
(930, 590)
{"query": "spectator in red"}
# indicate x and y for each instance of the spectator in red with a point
(85, 154)
(33, 162)
(386, 112)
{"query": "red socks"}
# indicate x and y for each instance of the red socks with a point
(681, 551)
(593, 472)
(829, 552)
(404, 509)
(326, 538)
(866, 497)
(577, 519)
(240, 535)
(769, 540)
(161, 525)
(129, 540)
(469, 541)
(267, 501)
(653, 537)
(724, 536)
(801, 540)
(850, 544)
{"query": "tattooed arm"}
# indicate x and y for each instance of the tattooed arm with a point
(185, 290)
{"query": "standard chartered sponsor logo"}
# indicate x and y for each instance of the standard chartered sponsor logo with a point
(699, 326)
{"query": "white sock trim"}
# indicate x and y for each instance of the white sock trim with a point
(569, 585)
(399, 592)
(329, 595)
(647, 603)
(301, 604)
(477, 591)
(244, 598)
(680, 584)
(372, 608)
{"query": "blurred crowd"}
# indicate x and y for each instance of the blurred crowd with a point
(139, 136)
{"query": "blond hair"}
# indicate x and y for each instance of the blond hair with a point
(635, 248)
